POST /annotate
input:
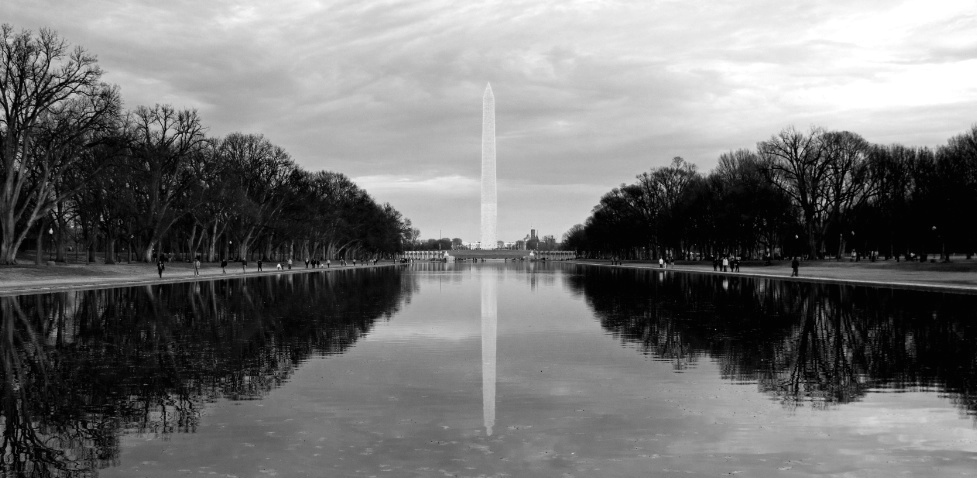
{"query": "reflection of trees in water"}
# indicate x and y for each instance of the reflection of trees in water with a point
(821, 343)
(81, 367)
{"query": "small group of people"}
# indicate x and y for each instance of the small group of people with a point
(315, 263)
(726, 264)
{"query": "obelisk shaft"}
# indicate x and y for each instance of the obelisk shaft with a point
(489, 196)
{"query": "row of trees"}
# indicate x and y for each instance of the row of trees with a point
(817, 194)
(74, 165)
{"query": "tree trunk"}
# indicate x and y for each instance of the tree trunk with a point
(8, 250)
(147, 255)
(40, 244)
(191, 243)
(110, 250)
(212, 249)
(61, 248)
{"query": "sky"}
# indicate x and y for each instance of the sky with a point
(589, 93)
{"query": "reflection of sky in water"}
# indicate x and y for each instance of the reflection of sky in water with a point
(567, 400)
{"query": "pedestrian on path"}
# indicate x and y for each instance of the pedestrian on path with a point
(289, 263)
(244, 265)
(794, 264)
(259, 265)
(224, 266)
(196, 266)
(160, 267)
(725, 263)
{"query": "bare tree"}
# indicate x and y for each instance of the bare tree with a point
(53, 106)
(165, 144)
(797, 164)
(849, 183)
(264, 171)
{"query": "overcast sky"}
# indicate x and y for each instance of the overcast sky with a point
(588, 93)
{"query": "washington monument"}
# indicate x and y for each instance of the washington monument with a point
(489, 197)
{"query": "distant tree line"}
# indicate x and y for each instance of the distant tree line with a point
(76, 168)
(816, 194)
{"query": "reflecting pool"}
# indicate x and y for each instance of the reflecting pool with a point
(491, 369)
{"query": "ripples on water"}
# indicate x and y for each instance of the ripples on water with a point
(491, 368)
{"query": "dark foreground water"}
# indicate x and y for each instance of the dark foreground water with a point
(489, 370)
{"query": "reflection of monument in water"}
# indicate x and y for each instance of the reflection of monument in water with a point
(490, 320)
(489, 196)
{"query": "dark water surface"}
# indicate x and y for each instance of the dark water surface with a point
(489, 370)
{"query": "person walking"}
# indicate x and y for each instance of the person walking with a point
(259, 265)
(715, 263)
(244, 266)
(725, 263)
(196, 266)
(328, 264)
(160, 266)
(661, 263)
(289, 263)
(794, 264)
(224, 266)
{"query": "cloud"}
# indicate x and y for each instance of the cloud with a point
(588, 93)
(450, 186)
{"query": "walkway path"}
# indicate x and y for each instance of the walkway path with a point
(959, 276)
(31, 279)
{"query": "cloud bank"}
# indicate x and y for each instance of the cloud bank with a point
(588, 93)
